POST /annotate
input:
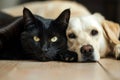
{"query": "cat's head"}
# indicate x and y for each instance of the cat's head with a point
(44, 38)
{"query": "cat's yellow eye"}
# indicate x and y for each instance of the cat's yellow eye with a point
(54, 39)
(36, 39)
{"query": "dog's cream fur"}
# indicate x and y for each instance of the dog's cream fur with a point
(104, 42)
(49, 9)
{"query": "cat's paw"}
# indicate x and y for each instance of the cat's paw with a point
(67, 56)
(117, 51)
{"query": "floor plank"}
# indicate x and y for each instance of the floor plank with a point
(57, 71)
(6, 67)
(112, 67)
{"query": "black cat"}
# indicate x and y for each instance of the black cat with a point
(34, 37)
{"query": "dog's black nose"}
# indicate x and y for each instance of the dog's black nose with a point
(86, 50)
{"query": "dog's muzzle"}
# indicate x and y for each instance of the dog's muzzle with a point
(87, 53)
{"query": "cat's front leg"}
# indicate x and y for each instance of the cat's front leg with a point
(67, 56)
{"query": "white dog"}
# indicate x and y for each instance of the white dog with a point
(92, 37)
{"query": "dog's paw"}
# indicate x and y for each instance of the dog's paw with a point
(67, 56)
(117, 51)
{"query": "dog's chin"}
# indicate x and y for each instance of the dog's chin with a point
(93, 58)
(88, 60)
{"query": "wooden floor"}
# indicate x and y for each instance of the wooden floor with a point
(105, 69)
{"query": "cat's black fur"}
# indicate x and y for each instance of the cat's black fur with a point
(17, 39)
(6, 19)
(10, 44)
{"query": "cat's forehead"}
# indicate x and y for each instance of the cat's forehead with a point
(45, 22)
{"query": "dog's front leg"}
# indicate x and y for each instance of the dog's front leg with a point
(117, 51)
(67, 56)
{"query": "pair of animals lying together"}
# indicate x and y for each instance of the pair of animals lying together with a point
(85, 38)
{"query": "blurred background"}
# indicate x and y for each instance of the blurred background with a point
(108, 8)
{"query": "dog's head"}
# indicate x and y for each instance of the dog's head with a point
(88, 38)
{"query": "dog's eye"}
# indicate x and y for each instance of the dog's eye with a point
(94, 32)
(72, 35)
(36, 39)
(54, 39)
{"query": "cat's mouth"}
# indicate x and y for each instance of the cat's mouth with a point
(43, 57)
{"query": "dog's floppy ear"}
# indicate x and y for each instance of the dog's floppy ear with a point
(112, 31)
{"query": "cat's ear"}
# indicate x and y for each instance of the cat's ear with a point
(28, 17)
(64, 17)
